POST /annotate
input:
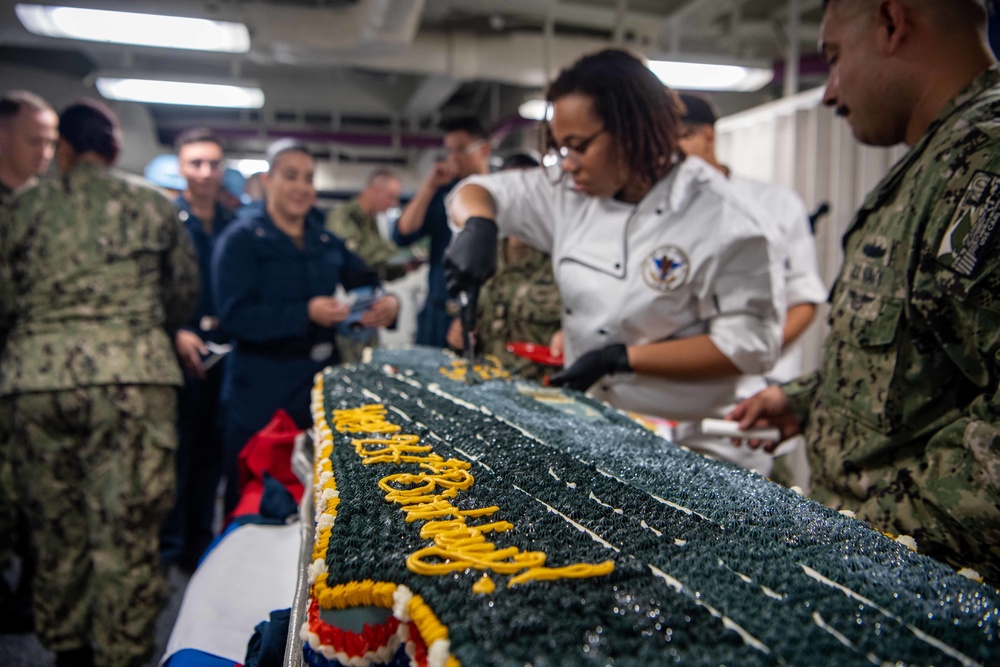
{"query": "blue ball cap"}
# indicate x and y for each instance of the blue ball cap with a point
(165, 171)
(233, 181)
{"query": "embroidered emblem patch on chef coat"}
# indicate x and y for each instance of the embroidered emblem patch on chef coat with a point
(973, 225)
(666, 269)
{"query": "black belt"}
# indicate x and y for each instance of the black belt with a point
(320, 351)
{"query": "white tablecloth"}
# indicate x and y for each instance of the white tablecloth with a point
(249, 574)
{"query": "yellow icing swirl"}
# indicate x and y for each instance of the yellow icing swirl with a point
(425, 496)
(484, 586)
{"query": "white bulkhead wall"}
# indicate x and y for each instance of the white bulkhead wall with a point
(801, 144)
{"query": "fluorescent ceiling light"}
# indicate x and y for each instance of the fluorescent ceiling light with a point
(704, 76)
(681, 76)
(535, 110)
(180, 92)
(249, 166)
(97, 25)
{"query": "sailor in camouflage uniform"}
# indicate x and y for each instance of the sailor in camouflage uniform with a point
(354, 222)
(903, 417)
(27, 143)
(95, 268)
(520, 303)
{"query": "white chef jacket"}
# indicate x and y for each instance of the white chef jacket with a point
(803, 284)
(689, 259)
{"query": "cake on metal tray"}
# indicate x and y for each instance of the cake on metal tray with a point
(501, 523)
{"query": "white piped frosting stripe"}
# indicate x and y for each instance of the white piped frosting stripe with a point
(438, 653)
(401, 603)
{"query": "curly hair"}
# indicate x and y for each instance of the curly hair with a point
(638, 111)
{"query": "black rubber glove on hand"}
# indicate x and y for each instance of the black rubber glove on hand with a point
(472, 258)
(592, 366)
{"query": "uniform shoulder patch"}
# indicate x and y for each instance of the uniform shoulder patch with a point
(666, 268)
(973, 226)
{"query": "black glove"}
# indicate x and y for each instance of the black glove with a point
(472, 258)
(592, 366)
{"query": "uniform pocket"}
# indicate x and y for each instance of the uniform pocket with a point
(867, 357)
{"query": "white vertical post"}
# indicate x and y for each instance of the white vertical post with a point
(620, 13)
(792, 53)
(549, 38)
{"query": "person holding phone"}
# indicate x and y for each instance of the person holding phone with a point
(467, 151)
(274, 272)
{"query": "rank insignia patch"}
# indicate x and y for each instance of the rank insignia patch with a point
(973, 226)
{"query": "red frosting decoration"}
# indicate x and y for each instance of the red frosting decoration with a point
(419, 647)
(354, 644)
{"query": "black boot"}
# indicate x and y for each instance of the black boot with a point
(78, 657)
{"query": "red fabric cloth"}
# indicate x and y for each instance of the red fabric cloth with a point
(269, 450)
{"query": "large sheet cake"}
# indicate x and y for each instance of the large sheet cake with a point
(500, 523)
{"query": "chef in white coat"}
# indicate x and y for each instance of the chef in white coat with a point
(804, 288)
(672, 290)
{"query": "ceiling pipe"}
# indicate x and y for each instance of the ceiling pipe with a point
(386, 140)
(811, 66)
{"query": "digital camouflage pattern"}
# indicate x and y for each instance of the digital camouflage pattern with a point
(520, 303)
(9, 512)
(8, 495)
(359, 232)
(13, 528)
(96, 471)
(903, 418)
(95, 267)
(5, 194)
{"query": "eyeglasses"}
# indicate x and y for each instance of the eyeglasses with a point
(465, 150)
(575, 152)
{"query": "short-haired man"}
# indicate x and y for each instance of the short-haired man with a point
(354, 222)
(28, 135)
(188, 528)
(468, 152)
(782, 207)
(902, 420)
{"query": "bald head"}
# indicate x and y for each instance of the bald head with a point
(947, 14)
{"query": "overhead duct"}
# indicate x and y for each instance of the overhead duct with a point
(366, 28)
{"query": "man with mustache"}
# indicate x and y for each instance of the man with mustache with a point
(902, 420)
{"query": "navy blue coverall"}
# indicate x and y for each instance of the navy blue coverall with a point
(262, 283)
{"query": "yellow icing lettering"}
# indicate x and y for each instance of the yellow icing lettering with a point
(425, 496)
(366, 419)
(487, 557)
(578, 571)
(397, 449)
